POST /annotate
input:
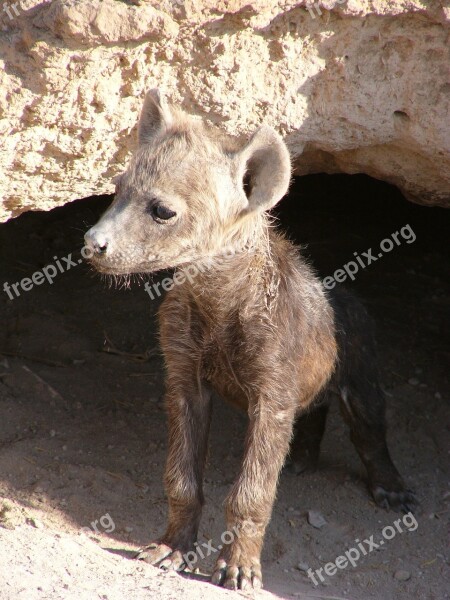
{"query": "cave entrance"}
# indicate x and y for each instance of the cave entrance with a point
(83, 431)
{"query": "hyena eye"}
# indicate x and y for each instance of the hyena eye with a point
(162, 213)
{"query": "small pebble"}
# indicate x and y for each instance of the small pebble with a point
(316, 519)
(437, 395)
(413, 381)
(302, 566)
(402, 575)
(34, 523)
(128, 529)
(52, 433)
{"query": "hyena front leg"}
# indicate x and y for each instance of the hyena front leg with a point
(249, 504)
(189, 414)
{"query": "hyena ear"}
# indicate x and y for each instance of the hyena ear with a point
(156, 117)
(265, 169)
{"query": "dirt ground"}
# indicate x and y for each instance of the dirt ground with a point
(83, 431)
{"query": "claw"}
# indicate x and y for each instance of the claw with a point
(157, 553)
(218, 577)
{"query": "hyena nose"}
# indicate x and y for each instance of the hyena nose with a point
(96, 241)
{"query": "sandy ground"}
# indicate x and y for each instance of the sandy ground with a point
(83, 432)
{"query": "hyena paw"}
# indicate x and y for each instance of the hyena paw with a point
(242, 573)
(163, 556)
(394, 496)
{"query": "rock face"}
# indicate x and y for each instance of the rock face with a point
(354, 85)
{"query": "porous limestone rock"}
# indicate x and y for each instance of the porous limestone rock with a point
(353, 85)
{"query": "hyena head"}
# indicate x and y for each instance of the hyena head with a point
(188, 192)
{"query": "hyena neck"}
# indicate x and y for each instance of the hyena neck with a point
(243, 274)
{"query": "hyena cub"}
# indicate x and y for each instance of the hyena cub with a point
(253, 325)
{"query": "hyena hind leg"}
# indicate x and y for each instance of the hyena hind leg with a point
(363, 402)
(365, 417)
